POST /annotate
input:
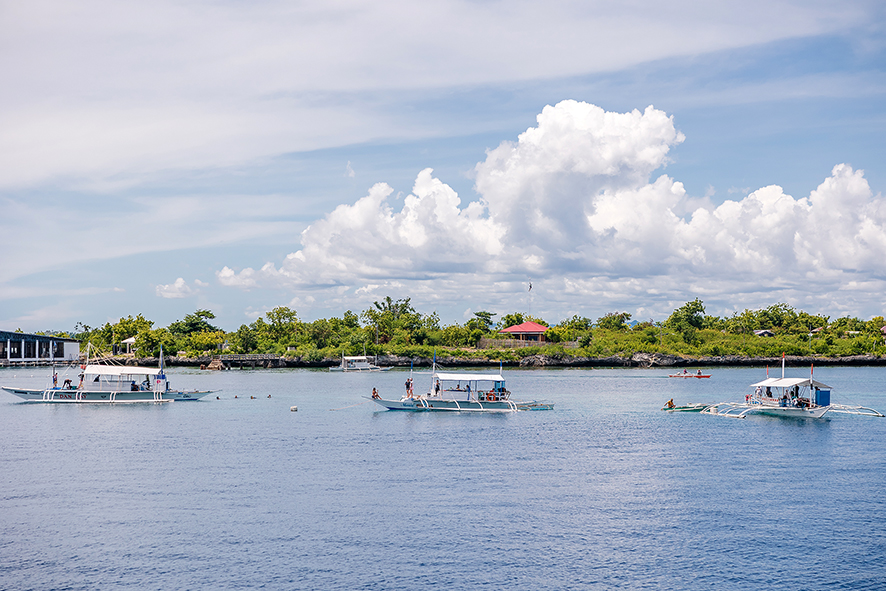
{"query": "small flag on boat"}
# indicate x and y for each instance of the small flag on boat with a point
(530, 286)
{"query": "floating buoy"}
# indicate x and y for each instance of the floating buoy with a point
(293, 408)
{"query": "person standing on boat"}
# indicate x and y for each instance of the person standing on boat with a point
(437, 387)
(468, 388)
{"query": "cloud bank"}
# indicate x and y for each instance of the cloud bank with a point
(574, 205)
(98, 91)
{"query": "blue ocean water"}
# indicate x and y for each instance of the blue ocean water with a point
(606, 491)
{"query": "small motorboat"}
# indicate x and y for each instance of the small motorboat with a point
(691, 407)
(686, 374)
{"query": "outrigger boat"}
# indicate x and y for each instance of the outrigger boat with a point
(472, 392)
(110, 383)
(788, 397)
(357, 363)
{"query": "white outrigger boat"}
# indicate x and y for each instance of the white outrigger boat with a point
(473, 392)
(110, 383)
(787, 397)
(357, 363)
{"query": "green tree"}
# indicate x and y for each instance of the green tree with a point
(614, 321)
(196, 322)
(509, 320)
(689, 314)
(282, 324)
(244, 340)
(482, 320)
(687, 320)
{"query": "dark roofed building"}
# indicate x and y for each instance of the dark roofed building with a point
(19, 347)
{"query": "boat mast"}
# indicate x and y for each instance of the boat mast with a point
(431, 390)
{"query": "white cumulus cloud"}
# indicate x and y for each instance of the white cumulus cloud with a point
(573, 204)
(178, 289)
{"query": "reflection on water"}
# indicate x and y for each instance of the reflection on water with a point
(604, 491)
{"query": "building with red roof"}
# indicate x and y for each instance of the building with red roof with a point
(528, 331)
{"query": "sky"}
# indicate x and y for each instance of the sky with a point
(159, 158)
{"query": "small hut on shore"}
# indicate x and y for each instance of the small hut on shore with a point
(528, 331)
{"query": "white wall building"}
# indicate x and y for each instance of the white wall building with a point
(18, 347)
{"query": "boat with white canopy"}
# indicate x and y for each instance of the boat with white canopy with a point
(472, 392)
(357, 363)
(110, 383)
(787, 397)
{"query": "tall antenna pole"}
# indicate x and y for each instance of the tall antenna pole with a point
(529, 296)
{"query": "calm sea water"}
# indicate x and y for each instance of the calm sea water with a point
(606, 491)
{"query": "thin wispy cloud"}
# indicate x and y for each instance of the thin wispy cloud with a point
(390, 149)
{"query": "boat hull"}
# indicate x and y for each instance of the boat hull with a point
(51, 395)
(688, 375)
(792, 411)
(430, 404)
(687, 408)
(741, 410)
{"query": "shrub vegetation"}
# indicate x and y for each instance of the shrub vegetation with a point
(395, 327)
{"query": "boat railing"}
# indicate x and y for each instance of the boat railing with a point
(855, 410)
(733, 410)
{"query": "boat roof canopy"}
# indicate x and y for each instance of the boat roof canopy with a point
(788, 382)
(469, 377)
(120, 370)
(356, 358)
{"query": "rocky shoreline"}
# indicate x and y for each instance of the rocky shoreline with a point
(641, 360)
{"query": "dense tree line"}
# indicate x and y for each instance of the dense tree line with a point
(394, 326)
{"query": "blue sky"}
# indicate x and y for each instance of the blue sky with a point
(159, 159)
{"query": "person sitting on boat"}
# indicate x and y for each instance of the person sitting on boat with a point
(670, 404)
(698, 373)
(685, 371)
(133, 387)
(375, 394)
